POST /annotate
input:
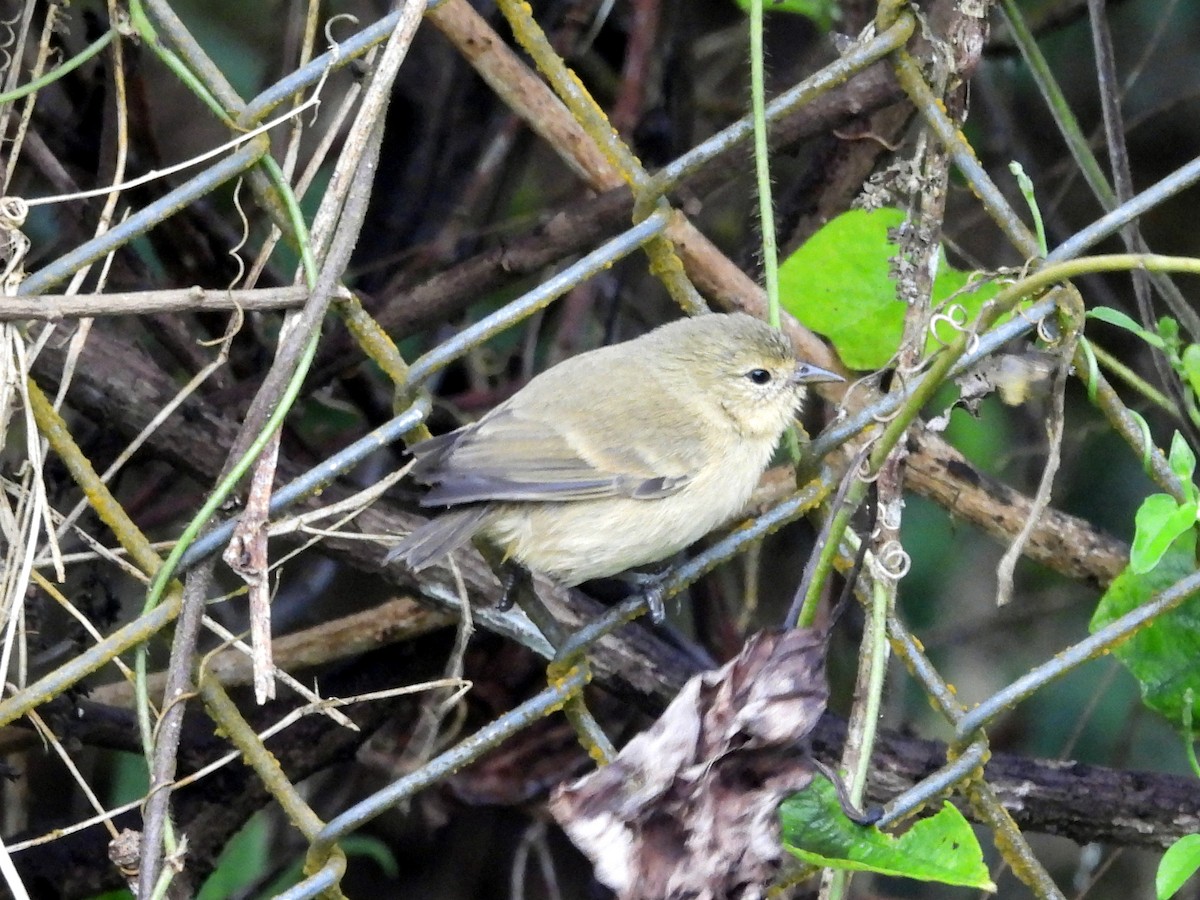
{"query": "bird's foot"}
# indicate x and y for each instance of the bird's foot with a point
(513, 577)
(653, 586)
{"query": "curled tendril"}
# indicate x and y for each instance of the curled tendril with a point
(235, 250)
(1043, 326)
(6, 26)
(890, 515)
(1048, 331)
(913, 368)
(1029, 263)
(892, 561)
(864, 473)
(1009, 275)
(975, 280)
(13, 211)
(884, 417)
(862, 383)
(14, 245)
(954, 316)
(335, 46)
(1020, 312)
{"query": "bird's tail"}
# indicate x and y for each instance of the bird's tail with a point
(438, 536)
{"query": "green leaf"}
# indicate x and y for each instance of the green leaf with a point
(1118, 318)
(1190, 362)
(245, 859)
(1161, 655)
(1168, 330)
(1183, 463)
(939, 848)
(839, 284)
(1158, 522)
(374, 849)
(822, 12)
(1177, 865)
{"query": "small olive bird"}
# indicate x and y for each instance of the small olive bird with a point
(617, 457)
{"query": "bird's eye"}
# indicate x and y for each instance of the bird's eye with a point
(759, 376)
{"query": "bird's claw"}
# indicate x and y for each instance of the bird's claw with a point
(512, 575)
(653, 587)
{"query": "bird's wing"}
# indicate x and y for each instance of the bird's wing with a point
(525, 451)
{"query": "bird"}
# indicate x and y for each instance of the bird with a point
(618, 457)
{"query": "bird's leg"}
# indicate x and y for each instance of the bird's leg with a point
(517, 589)
(652, 586)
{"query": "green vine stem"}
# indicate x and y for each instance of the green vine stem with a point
(65, 69)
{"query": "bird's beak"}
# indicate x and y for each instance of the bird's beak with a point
(807, 373)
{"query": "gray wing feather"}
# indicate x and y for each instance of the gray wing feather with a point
(437, 537)
(511, 456)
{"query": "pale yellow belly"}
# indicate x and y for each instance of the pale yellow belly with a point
(581, 540)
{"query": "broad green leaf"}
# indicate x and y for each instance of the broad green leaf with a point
(1118, 318)
(839, 284)
(1158, 522)
(1162, 655)
(822, 12)
(1177, 865)
(939, 848)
